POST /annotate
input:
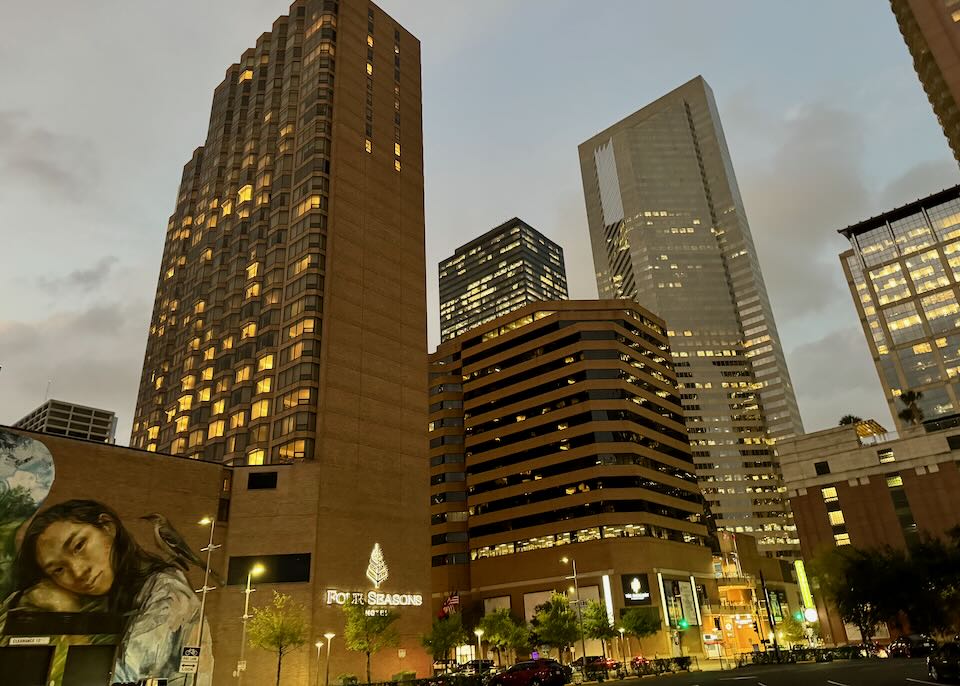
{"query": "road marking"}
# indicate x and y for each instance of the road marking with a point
(918, 681)
(760, 683)
(836, 683)
(735, 678)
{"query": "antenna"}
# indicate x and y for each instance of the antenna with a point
(46, 394)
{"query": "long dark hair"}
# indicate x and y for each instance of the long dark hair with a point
(131, 564)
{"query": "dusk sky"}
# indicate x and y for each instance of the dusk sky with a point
(103, 103)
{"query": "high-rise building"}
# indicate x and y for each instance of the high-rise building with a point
(903, 270)
(505, 268)
(556, 430)
(931, 29)
(669, 229)
(290, 319)
(71, 420)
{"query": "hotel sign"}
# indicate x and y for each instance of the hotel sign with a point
(636, 589)
(375, 600)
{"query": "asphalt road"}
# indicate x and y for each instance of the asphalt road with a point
(842, 673)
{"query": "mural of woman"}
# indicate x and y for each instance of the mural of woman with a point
(77, 556)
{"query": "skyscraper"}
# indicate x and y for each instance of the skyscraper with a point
(903, 270)
(505, 268)
(668, 229)
(289, 319)
(931, 29)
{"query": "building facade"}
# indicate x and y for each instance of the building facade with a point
(556, 431)
(668, 229)
(71, 420)
(505, 268)
(931, 29)
(903, 270)
(311, 528)
(870, 491)
(290, 307)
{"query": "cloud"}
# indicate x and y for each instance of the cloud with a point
(93, 357)
(834, 376)
(40, 160)
(83, 280)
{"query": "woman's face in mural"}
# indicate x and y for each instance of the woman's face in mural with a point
(78, 556)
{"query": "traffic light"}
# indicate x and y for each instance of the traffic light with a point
(798, 615)
(683, 624)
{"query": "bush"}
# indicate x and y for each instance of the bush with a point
(683, 663)
(406, 675)
(348, 680)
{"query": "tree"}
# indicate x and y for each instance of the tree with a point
(849, 419)
(446, 634)
(518, 638)
(911, 412)
(596, 624)
(640, 622)
(555, 623)
(853, 581)
(369, 633)
(792, 629)
(281, 626)
(502, 632)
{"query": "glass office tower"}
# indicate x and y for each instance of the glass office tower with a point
(668, 229)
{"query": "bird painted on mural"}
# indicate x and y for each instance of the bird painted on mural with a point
(171, 543)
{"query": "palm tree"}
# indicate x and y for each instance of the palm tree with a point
(911, 413)
(849, 419)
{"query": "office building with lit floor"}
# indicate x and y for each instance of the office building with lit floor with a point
(556, 431)
(669, 230)
(903, 270)
(289, 324)
(505, 268)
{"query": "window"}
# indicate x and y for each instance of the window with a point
(245, 194)
(218, 407)
(841, 539)
(886, 455)
(277, 569)
(238, 419)
(264, 385)
(261, 480)
(204, 395)
(301, 327)
(368, 145)
(822, 467)
(836, 518)
(243, 374)
(259, 409)
(894, 480)
(248, 331)
(265, 363)
(255, 457)
(206, 374)
(829, 494)
(185, 402)
(215, 429)
(182, 424)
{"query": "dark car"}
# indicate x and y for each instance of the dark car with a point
(943, 664)
(639, 663)
(597, 662)
(475, 667)
(541, 672)
(915, 645)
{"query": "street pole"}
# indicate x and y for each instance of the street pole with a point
(329, 636)
(316, 680)
(773, 625)
(479, 634)
(241, 665)
(583, 642)
(206, 588)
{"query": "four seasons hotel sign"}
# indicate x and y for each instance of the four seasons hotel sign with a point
(377, 573)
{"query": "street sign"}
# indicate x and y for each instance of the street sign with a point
(242, 666)
(189, 660)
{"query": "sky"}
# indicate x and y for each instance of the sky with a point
(104, 102)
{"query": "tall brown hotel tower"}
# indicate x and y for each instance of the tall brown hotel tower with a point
(290, 322)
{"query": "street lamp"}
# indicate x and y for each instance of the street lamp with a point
(316, 680)
(479, 634)
(329, 636)
(576, 588)
(206, 521)
(623, 654)
(256, 570)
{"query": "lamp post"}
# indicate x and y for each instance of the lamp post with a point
(256, 570)
(316, 679)
(212, 523)
(623, 654)
(576, 588)
(479, 634)
(329, 636)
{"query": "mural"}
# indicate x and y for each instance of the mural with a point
(74, 570)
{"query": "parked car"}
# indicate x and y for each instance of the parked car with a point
(872, 649)
(914, 645)
(943, 664)
(540, 672)
(597, 662)
(639, 663)
(473, 667)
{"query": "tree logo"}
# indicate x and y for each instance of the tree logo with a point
(377, 569)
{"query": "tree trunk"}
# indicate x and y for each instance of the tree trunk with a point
(368, 668)
(279, 662)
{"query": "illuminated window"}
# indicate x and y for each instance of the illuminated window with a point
(894, 481)
(187, 383)
(265, 363)
(204, 395)
(215, 430)
(255, 457)
(259, 409)
(227, 343)
(301, 327)
(253, 290)
(396, 165)
(243, 374)
(836, 518)
(370, 41)
(264, 385)
(153, 432)
(841, 539)
(369, 69)
(829, 494)
(223, 385)
(158, 383)
(245, 194)
(209, 353)
(185, 402)
(248, 331)
(253, 270)
(238, 419)
(179, 445)
(245, 75)
(368, 145)
(196, 437)
(218, 407)
(183, 423)
(151, 447)
(227, 208)
(206, 374)
(396, 149)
